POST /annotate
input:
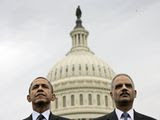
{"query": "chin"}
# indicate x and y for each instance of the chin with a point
(40, 101)
(124, 101)
(125, 98)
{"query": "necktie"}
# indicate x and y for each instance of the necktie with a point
(125, 115)
(40, 117)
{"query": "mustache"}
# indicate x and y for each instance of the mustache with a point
(40, 93)
(124, 93)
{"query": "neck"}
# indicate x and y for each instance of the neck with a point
(41, 108)
(124, 108)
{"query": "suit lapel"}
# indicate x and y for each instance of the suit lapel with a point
(112, 116)
(51, 116)
(137, 116)
(30, 117)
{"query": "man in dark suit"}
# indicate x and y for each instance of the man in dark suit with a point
(41, 94)
(123, 93)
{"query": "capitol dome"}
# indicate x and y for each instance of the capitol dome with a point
(81, 80)
(80, 63)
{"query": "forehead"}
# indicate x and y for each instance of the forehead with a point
(40, 81)
(122, 80)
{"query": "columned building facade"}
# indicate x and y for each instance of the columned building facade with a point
(81, 80)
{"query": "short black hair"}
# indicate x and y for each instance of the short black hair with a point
(44, 79)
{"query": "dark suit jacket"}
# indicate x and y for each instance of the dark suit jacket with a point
(113, 116)
(51, 117)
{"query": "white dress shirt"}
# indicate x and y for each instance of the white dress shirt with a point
(45, 114)
(119, 114)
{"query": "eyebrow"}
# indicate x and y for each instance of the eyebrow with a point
(121, 84)
(37, 85)
(40, 84)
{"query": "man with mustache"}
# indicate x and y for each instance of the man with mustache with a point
(123, 93)
(41, 94)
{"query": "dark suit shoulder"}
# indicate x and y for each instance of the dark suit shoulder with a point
(55, 117)
(28, 118)
(139, 116)
(101, 118)
(60, 118)
(110, 116)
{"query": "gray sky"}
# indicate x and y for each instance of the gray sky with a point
(34, 35)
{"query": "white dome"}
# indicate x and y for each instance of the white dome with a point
(80, 63)
(81, 73)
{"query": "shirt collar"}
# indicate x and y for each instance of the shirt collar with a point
(119, 113)
(45, 114)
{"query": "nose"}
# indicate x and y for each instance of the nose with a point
(124, 87)
(40, 88)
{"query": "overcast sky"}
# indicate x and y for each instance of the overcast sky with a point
(34, 35)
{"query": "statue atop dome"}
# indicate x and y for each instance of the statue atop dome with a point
(78, 21)
(78, 12)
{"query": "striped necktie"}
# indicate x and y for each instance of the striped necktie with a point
(125, 115)
(40, 117)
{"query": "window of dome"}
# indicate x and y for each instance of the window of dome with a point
(99, 68)
(86, 67)
(66, 71)
(72, 100)
(75, 40)
(93, 67)
(79, 39)
(64, 101)
(81, 99)
(56, 103)
(98, 100)
(90, 99)
(55, 74)
(106, 100)
(67, 68)
(82, 38)
(73, 69)
(79, 67)
(61, 72)
(105, 73)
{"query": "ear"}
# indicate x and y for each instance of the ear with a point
(135, 93)
(29, 98)
(53, 97)
(111, 94)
